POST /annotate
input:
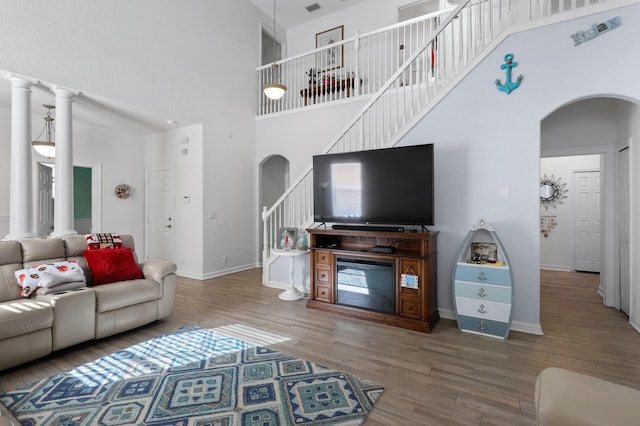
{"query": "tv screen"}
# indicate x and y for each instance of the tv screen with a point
(392, 186)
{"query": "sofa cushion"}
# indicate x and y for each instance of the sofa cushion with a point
(125, 293)
(24, 316)
(112, 265)
(10, 261)
(42, 251)
(61, 287)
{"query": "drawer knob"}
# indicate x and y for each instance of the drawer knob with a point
(481, 276)
(481, 292)
(482, 325)
(482, 310)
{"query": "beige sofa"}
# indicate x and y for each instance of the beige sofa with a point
(565, 398)
(34, 327)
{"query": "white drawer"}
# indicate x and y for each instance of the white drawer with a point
(483, 309)
(493, 293)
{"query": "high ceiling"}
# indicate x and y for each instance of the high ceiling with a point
(291, 13)
(91, 109)
(103, 112)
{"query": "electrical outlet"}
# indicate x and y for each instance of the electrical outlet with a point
(225, 259)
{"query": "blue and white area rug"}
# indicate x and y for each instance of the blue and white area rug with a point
(196, 376)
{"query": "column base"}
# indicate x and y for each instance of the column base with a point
(19, 237)
(291, 294)
(61, 234)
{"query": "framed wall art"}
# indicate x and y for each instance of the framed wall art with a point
(332, 57)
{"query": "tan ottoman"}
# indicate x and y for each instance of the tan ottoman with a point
(565, 398)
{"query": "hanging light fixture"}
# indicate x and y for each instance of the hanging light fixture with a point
(46, 148)
(274, 90)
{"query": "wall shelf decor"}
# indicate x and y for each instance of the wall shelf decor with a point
(483, 284)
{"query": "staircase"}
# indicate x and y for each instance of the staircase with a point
(460, 42)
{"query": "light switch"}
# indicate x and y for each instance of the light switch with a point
(504, 192)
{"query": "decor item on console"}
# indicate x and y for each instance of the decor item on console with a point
(288, 238)
(74, 312)
(46, 148)
(274, 90)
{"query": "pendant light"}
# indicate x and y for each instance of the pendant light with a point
(46, 148)
(274, 90)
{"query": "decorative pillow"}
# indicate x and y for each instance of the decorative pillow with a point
(113, 265)
(100, 241)
(48, 275)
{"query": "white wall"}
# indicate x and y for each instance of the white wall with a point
(362, 17)
(166, 151)
(556, 249)
(630, 129)
(5, 169)
(118, 152)
(120, 155)
(300, 135)
(191, 60)
(487, 141)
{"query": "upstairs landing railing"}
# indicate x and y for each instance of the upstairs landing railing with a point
(358, 65)
(433, 68)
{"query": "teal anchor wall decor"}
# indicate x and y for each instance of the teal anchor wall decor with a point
(509, 85)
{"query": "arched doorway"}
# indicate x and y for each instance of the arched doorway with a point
(596, 126)
(274, 181)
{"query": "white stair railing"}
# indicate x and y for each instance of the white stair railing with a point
(404, 97)
(359, 65)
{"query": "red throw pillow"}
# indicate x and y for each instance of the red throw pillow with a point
(111, 265)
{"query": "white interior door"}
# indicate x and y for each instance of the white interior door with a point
(587, 256)
(160, 221)
(624, 229)
(45, 200)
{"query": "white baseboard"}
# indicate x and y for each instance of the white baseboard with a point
(214, 274)
(560, 268)
(527, 327)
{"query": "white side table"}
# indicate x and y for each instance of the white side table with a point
(292, 293)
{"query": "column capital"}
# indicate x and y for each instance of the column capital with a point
(64, 92)
(20, 81)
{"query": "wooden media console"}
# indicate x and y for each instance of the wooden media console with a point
(386, 277)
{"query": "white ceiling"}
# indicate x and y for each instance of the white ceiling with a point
(94, 110)
(291, 13)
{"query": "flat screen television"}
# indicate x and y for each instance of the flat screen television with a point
(382, 186)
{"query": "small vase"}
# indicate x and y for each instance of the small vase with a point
(303, 241)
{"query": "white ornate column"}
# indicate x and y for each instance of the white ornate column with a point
(20, 195)
(63, 221)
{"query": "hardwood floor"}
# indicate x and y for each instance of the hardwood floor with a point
(445, 377)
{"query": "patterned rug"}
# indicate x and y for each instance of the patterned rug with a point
(196, 376)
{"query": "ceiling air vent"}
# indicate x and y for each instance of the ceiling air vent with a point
(312, 7)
